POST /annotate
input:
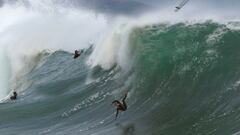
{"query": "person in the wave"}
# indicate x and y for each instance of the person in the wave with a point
(120, 106)
(77, 53)
(14, 97)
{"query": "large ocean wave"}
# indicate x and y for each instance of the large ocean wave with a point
(182, 77)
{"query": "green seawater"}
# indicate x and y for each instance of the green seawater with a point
(184, 80)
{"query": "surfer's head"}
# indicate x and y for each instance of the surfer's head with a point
(117, 104)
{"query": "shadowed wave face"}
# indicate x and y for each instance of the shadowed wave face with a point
(184, 79)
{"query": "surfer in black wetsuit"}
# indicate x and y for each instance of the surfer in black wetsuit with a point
(120, 106)
(14, 97)
(77, 53)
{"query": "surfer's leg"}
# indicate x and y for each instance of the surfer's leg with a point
(116, 114)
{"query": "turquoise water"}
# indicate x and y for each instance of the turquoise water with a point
(184, 80)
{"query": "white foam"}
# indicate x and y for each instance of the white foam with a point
(25, 31)
(5, 74)
(216, 35)
(113, 47)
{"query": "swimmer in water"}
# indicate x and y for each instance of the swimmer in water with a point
(77, 53)
(14, 97)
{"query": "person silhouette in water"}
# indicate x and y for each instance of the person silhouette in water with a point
(14, 97)
(120, 106)
(77, 53)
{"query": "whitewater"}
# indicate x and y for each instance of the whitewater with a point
(182, 72)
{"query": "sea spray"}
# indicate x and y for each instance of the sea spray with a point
(5, 74)
(113, 47)
(27, 30)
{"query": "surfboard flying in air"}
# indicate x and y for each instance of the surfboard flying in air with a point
(184, 2)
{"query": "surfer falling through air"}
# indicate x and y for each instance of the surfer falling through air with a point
(120, 106)
(184, 2)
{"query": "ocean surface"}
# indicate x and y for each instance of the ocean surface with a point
(182, 79)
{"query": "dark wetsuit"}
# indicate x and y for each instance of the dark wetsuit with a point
(77, 53)
(120, 106)
(14, 97)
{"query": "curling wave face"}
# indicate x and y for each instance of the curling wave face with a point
(184, 79)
